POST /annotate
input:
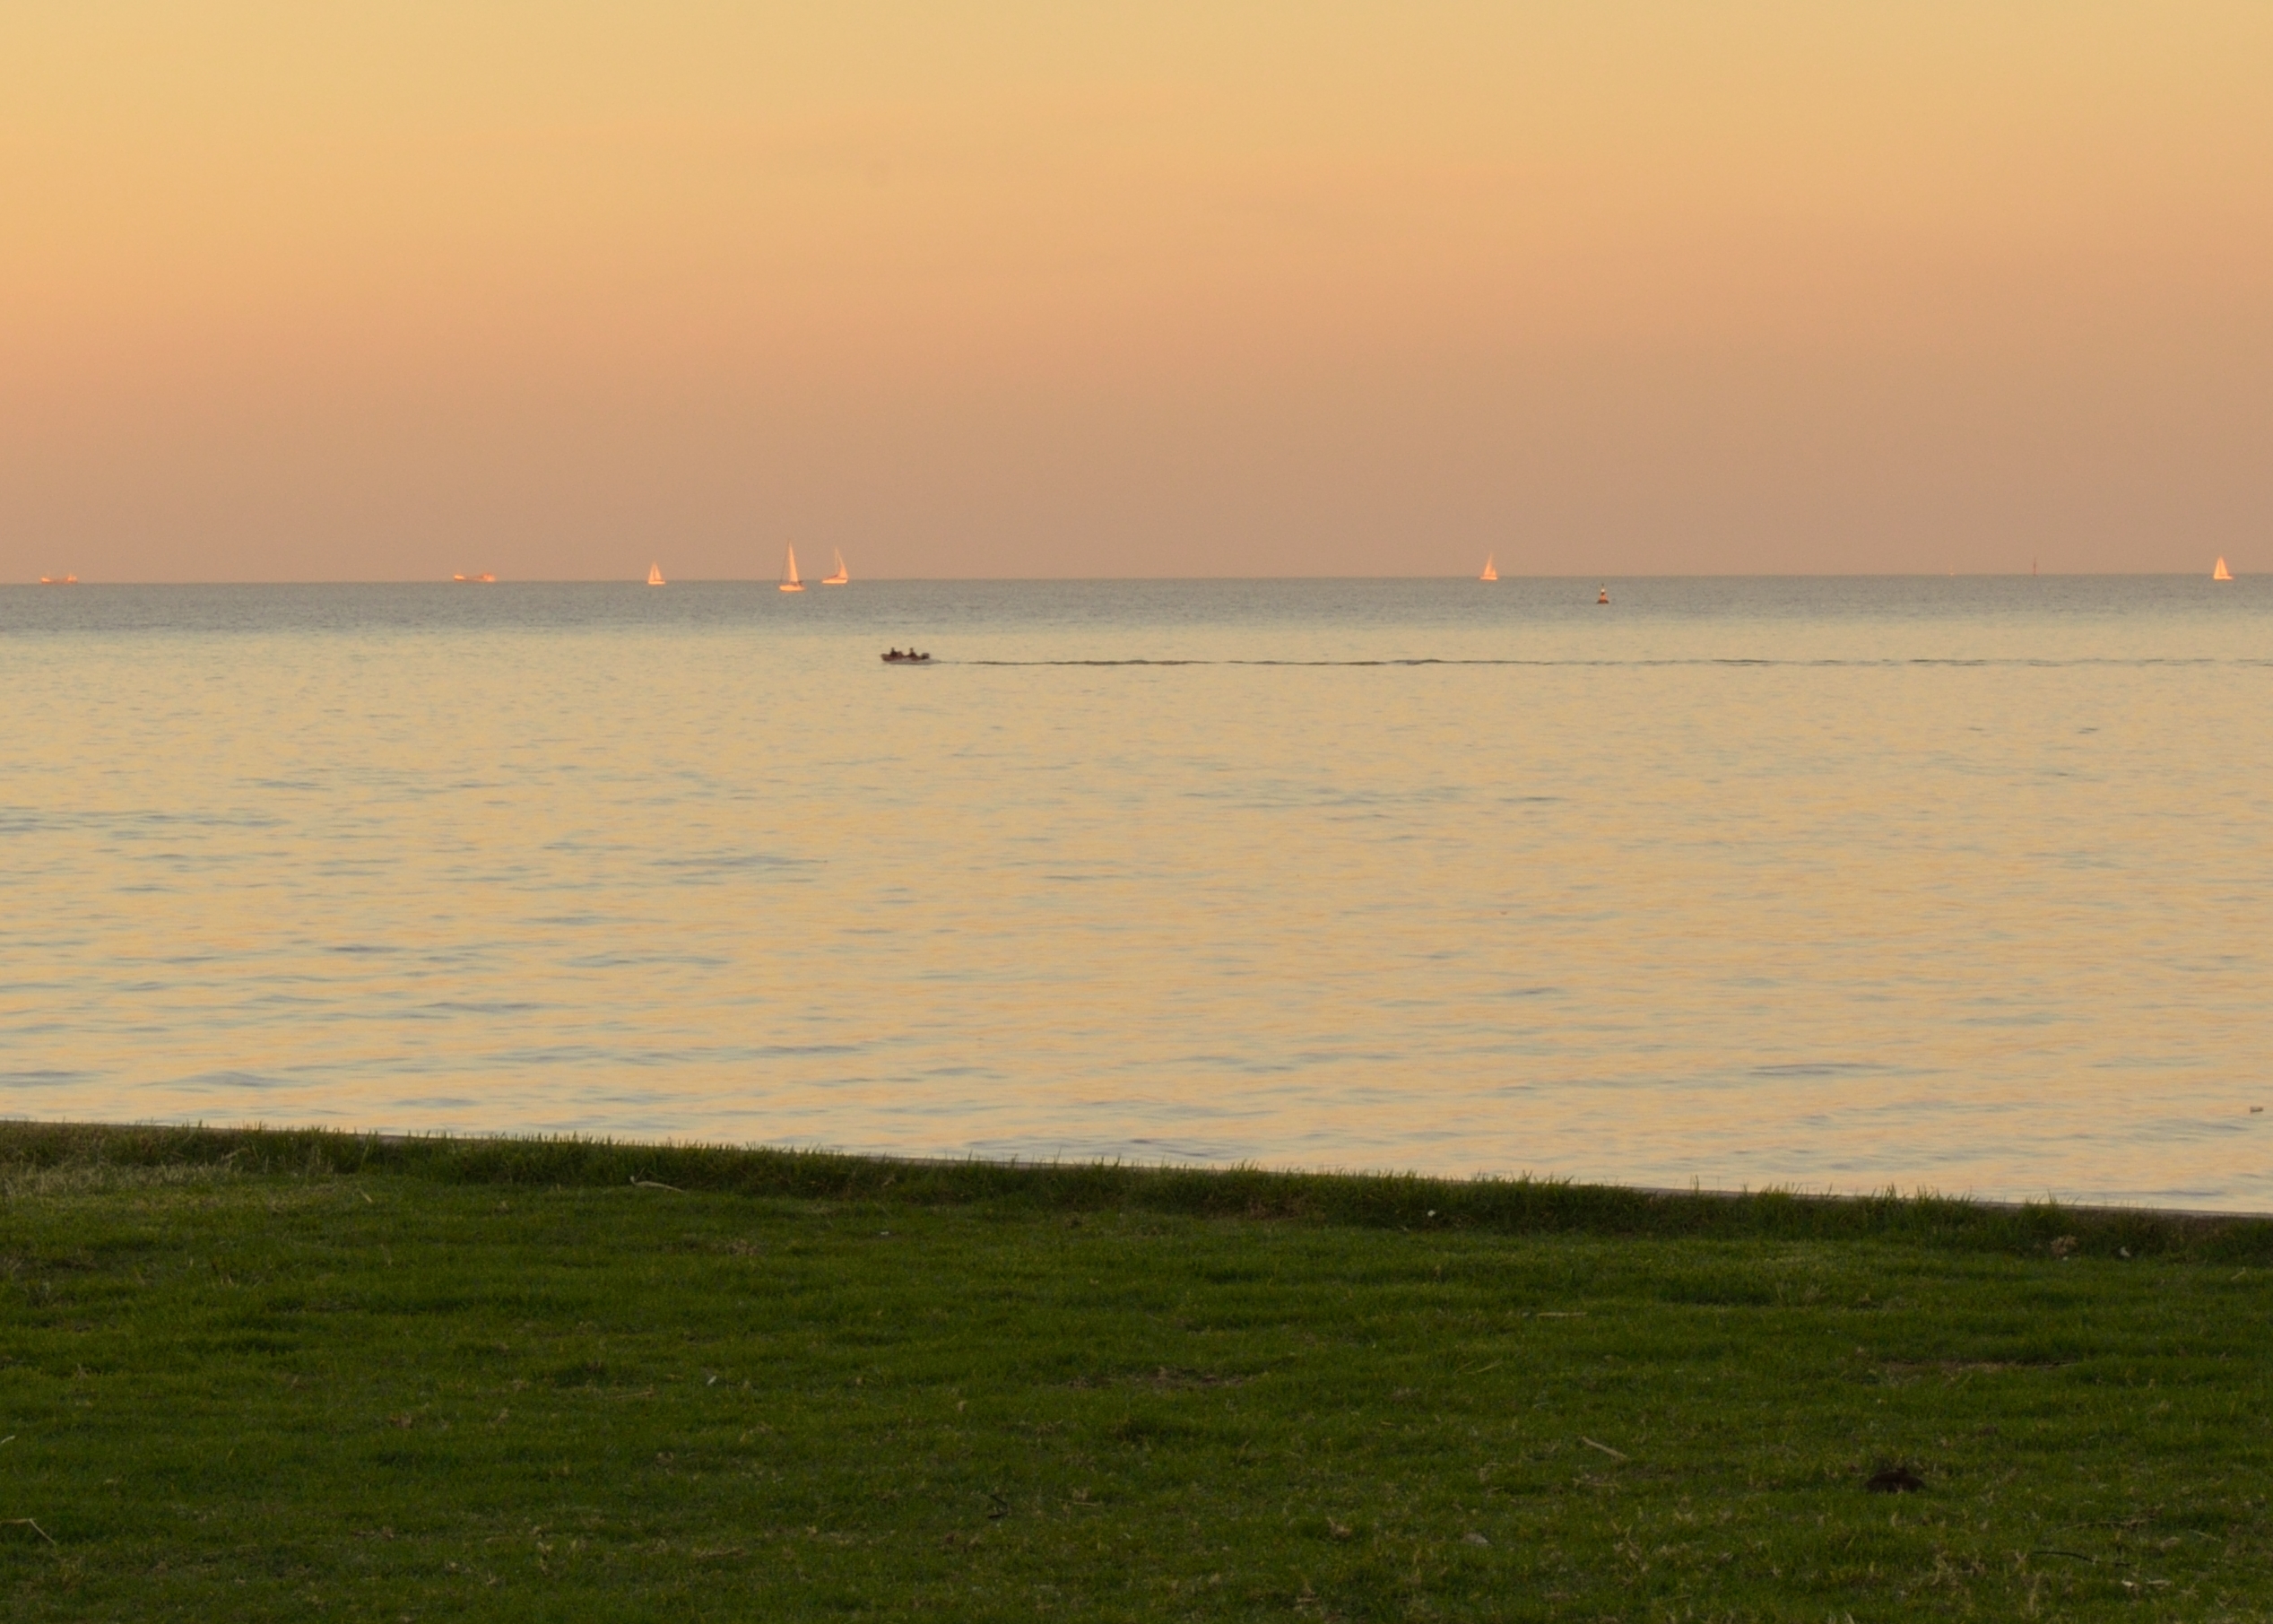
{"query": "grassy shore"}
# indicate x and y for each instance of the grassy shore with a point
(294, 1375)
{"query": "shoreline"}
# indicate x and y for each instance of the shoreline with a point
(1519, 1205)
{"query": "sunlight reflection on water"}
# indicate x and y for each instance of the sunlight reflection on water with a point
(1845, 883)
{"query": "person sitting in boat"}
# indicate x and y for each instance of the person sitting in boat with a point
(895, 652)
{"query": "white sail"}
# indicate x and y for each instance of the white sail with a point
(655, 575)
(2220, 573)
(789, 581)
(841, 576)
(1489, 574)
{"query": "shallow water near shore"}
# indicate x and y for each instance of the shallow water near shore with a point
(1830, 882)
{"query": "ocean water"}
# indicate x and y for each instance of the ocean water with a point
(1836, 883)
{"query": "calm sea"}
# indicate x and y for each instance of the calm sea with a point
(1828, 882)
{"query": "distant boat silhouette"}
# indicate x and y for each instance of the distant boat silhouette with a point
(1489, 574)
(2220, 573)
(789, 581)
(1603, 595)
(58, 580)
(842, 575)
(483, 579)
(655, 575)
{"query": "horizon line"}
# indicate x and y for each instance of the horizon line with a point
(735, 580)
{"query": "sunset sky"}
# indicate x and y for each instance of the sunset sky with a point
(295, 292)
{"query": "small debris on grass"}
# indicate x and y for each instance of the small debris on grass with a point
(1340, 1530)
(1605, 1448)
(1474, 1539)
(2065, 1245)
(1894, 1480)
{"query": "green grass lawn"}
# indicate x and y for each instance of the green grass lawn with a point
(252, 1376)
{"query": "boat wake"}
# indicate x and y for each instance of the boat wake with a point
(1722, 660)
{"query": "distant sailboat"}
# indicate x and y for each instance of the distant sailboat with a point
(842, 575)
(2221, 573)
(655, 575)
(1489, 574)
(789, 581)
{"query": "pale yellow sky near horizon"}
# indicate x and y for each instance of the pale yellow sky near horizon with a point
(324, 292)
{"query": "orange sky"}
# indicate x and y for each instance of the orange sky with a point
(554, 290)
